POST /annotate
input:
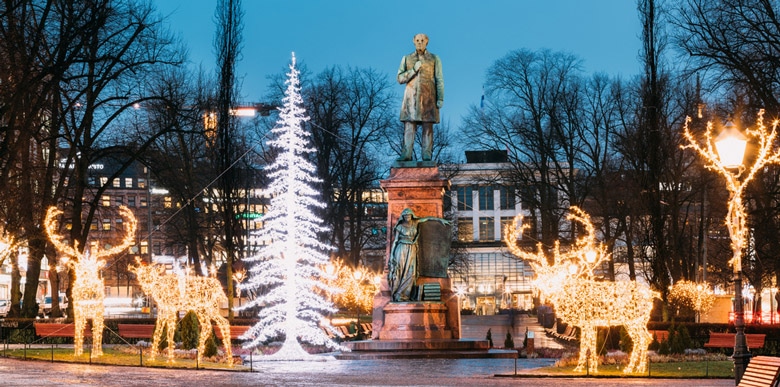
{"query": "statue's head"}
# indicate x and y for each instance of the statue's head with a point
(420, 42)
(407, 214)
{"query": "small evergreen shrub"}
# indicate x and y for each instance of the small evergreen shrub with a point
(509, 342)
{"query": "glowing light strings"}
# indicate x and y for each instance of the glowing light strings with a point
(174, 293)
(88, 288)
(581, 301)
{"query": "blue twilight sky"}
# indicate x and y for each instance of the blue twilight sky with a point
(468, 36)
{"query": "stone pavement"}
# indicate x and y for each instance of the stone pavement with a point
(422, 372)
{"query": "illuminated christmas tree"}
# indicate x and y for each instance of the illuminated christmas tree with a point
(289, 267)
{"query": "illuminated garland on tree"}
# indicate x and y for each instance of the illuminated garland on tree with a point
(698, 297)
(290, 267)
(582, 301)
(358, 286)
(88, 288)
(184, 292)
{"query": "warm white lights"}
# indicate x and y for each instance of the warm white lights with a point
(584, 302)
(183, 292)
(88, 289)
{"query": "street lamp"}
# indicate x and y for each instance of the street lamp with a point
(728, 161)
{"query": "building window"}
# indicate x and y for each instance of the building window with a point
(465, 230)
(167, 202)
(131, 201)
(116, 183)
(141, 183)
(128, 182)
(487, 229)
(507, 198)
(106, 224)
(118, 222)
(144, 248)
(105, 200)
(143, 202)
(93, 226)
(118, 200)
(486, 198)
(465, 202)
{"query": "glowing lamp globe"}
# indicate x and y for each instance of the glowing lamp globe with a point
(731, 144)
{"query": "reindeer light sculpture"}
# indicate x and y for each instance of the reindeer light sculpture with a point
(584, 302)
(172, 293)
(88, 289)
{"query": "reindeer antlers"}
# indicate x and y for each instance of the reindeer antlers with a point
(50, 225)
(586, 251)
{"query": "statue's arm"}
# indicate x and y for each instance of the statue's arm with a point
(440, 220)
(438, 75)
(405, 73)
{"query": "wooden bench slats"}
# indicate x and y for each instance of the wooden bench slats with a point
(235, 331)
(136, 331)
(726, 340)
(762, 371)
(59, 330)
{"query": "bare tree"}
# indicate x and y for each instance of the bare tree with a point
(531, 110)
(228, 46)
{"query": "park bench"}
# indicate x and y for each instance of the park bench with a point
(235, 331)
(136, 331)
(762, 371)
(726, 340)
(59, 330)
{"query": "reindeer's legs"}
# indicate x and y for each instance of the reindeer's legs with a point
(97, 333)
(588, 353)
(638, 360)
(171, 329)
(158, 329)
(78, 333)
(205, 332)
(224, 328)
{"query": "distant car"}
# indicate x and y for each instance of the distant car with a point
(5, 305)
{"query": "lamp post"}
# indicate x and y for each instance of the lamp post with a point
(728, 161)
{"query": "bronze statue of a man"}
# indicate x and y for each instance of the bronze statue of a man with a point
(423, 97)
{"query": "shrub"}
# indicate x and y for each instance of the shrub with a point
(509, 342)
(190, 328)
(489, 338)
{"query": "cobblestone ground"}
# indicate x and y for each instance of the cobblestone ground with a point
(407, 372)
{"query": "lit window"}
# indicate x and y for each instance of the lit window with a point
(143, 202)
(106, 200)
(487, 229)
(106, 224)
(128, 182)
(167, 202)
(93, 226)
(141, 183)
(465, 230)
(144, 247)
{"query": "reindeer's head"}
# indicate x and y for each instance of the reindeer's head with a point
(72, 252)
(147, 275)
(579, 261)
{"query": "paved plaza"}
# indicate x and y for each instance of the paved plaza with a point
(406, 372)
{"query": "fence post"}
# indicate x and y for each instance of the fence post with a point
(52, 352)
(141, 355)
(197, 358)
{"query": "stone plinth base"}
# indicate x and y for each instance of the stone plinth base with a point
(415, 320)
(423, 349)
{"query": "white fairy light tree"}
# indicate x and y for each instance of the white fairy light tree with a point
(290, 267)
